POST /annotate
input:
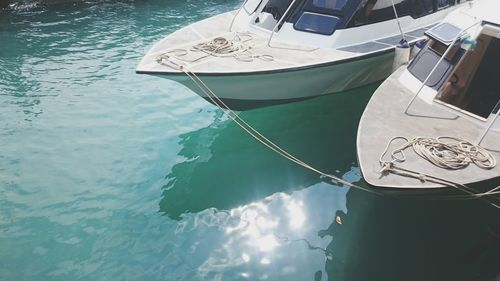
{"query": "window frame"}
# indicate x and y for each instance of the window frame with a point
(333, 29)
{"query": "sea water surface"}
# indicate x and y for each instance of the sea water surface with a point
(110, 175)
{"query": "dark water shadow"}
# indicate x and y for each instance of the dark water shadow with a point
(403, 239)
(225, 168)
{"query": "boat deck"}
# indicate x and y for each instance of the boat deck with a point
(384, 118)
(285, 55)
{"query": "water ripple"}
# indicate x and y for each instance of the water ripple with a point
(109, 175)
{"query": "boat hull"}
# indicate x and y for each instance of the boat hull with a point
(243, 91)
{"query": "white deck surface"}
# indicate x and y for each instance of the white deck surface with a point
(384, 119)
(285, 55)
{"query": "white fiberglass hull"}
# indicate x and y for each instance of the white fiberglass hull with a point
(242, 91)
(296, 65)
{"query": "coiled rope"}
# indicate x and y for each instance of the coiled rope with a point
(452, 154)
(219, 46)
(237, 47)
(445, 152)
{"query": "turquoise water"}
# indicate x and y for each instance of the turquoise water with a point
(109, 175)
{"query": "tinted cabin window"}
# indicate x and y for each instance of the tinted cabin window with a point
(335, 5)
(443, 3)
(321, 16)
(317, 23)
(440, 48)
(421, 66)
(425, 61)
(422, 8)
(365, 15)
(277, 8)
(473, 86)
(414, 8)
(483, 94)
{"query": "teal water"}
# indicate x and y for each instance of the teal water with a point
(109, 175)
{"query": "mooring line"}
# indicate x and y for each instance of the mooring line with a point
(471, 193)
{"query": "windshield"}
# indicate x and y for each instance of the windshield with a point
(335, 5)
(323, 16)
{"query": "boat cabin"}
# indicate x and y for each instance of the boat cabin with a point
(324, 17)
(445, 98)
(466, 79)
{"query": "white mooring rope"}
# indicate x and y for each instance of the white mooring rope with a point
(237, 47)
(445, 152)
(261, 138)
(222, 47)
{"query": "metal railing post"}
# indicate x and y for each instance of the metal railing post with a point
(485, 132)
(237, 13)
(279, 22)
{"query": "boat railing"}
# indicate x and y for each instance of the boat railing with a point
(280, 21)
(492, 122)
(450, 47)
(235, 15)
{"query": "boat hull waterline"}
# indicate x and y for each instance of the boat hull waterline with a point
(242, 91)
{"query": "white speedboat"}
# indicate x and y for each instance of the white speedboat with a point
(444, 106)
(277, 51)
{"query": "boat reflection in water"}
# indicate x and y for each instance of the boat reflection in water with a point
(263, 219)
(408, 239)
(246, 170)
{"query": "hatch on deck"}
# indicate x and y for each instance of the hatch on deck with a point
(473, 85)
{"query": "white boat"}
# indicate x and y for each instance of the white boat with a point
(444, 104)
(277, 51)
